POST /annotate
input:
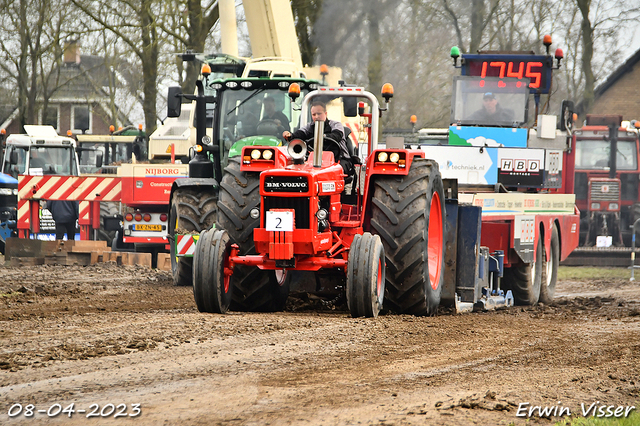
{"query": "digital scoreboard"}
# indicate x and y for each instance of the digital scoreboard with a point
(536, 68)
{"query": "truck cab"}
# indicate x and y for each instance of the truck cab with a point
(41, 151)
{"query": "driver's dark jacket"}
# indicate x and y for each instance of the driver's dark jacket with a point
(499, 115)
(333, 129)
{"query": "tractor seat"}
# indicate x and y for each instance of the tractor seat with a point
(351, 147)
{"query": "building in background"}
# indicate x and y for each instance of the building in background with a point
(80, 104)
(619, 94)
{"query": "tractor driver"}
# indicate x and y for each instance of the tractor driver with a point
(271, 113)
(491, 111)
(332, 129)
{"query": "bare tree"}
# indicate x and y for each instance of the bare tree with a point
(305, 13)
(137, 26)
(190, 28)
(22, 45)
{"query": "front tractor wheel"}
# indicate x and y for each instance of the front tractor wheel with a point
(365, 276)
(408, 215)
(211, 287)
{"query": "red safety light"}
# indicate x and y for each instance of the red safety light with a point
(128, 217)
(147, 217)
(559, 53)
(138, 217)
(3, 132)
(324, 69)
(163, 217)
(112, 128)
(205, 70)
(546, 40)
(140, 127)
(413, 119)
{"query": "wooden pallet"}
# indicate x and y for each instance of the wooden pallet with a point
(23, 252)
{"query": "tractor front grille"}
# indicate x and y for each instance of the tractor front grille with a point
(299, 204)
(605, 190)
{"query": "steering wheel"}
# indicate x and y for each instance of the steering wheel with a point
(328, 144)
(269, 127)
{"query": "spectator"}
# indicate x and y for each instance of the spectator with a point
(65, 214)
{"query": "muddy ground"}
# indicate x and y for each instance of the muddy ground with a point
(125, 336)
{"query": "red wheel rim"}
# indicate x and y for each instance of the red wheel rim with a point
(434, 244)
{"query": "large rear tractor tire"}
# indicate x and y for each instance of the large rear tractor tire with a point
(525, 281)
(548, 284)
(365, 276)
(192, 211)
(408, 215)
(254, 288)
(212, 290)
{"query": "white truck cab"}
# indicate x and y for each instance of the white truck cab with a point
(40, 152)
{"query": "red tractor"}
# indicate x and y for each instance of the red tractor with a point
(380, 230)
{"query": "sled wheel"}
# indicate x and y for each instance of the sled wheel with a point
(548, 285)
(211, 287)
(524, 281)
(365, 276)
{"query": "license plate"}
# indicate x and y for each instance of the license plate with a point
(279, 221)
(147, 227)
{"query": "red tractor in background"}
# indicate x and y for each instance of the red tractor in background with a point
(280, 212)
(607, 180)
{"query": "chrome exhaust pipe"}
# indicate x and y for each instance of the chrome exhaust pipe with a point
(318, 141)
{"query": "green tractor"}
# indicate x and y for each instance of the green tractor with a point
(230, 113)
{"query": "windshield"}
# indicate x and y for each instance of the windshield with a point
(594, 154)
(489, 101)
(113, 154)
(267, 112)
(50, 160)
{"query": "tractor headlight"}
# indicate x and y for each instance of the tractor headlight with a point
(382, 157)
(321, 214)
(394, 157)
(613, 206)
(267, 154)
(595, 206)
(5, 191)
(255, 154)
(254, 213)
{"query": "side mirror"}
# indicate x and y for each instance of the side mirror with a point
(350, 106)
(566, 116)
(174, 101)
(99, 159)
(13, 157)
